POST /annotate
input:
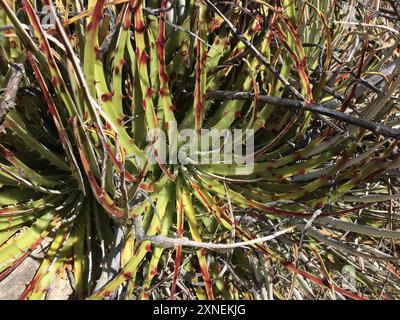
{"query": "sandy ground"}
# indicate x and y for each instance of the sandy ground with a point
(14, 285)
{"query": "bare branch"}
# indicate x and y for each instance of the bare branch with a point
(171, 242)
(10, 93)
(374, 127)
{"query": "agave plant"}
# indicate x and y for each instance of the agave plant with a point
(99, 76)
